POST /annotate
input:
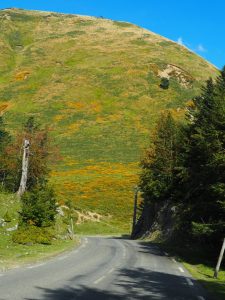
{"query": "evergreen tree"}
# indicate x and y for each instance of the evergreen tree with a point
(203, 191)
(159, 164)
(38, 207)
(186, 164)
(158, 169)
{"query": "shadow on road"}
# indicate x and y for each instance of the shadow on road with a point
(150, 248)
(145, 247)
(82, 292)
(129, 284)
(121, 237)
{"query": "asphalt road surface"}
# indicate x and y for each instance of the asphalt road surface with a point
(103, 268)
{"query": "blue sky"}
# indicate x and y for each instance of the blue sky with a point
(198, 24)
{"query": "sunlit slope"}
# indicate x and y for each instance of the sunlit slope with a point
(96, 83)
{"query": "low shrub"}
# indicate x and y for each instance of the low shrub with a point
(164, 83)
(28, 235)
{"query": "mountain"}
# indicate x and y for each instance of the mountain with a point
(96, 83)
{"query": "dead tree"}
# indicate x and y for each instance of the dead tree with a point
(25, 163)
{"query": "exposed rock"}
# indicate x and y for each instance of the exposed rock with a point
(172, 71)
(60, 211)
(88, 216)
(157, 218)
(12, 228)
(2, 223)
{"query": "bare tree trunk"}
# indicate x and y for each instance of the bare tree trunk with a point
(219, 260)
(25, 162)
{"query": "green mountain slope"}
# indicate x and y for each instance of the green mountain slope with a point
(95, 82)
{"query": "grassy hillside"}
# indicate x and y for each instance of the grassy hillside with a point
(95, 82)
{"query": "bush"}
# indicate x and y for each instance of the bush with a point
(33, 235)
(164, 83)
(38, 207)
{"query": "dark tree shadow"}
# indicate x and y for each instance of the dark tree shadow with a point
(146, 247)
(81, 292)
(121, 237)
(129, 284)
(150, 248)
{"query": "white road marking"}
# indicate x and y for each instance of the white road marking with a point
(35, 266)
(62, 257)
(110, 271)
(189, 281)
(174, 260)
(201, 298)
(104, 276)
(99, 279)
(182, 271)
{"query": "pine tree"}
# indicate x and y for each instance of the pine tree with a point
(38, 207)
(204, 185)
(158, 169)
(160, 161)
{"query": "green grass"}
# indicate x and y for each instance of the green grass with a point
(200, 262)
(13, 255)
(106, 227)
(204, 274)
(123, 24)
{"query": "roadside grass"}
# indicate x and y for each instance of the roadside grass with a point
(13, 255)
(201, 264)
(102, 228)
(204, 274)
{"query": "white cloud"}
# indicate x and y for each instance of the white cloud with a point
(180, 41)
(201, 48)
(198, 48)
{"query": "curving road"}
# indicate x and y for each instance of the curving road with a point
(103, 268)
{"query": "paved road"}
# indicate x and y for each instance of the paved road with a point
(103, 269)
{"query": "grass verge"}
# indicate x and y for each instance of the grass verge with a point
(112, 228)
(196, 261)
(14, 255)
(204, 274)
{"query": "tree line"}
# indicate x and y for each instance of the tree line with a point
(38, 204)
(183, 170)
